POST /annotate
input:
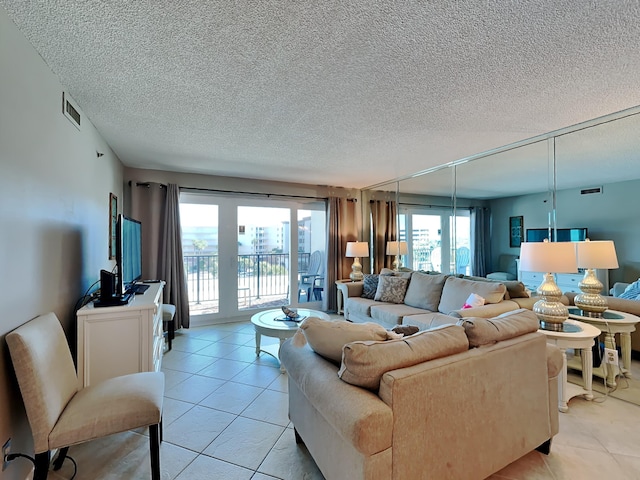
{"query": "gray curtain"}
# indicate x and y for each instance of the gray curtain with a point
(341, 228)
(383, 228)
(480, 241)
(157, 207)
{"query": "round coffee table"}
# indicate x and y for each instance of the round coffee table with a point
(581, 338)
(267, 323)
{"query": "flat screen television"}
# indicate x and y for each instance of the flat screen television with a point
(563, 234)
(128, 252)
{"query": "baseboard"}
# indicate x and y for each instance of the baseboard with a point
(217, 321)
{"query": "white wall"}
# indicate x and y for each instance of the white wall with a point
(54, 195)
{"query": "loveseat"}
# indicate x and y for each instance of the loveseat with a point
(455, 402)
(429, 299)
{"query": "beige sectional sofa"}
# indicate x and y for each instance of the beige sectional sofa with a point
(431, 299)
(477, 397)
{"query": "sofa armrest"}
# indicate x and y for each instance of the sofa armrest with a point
(358, 415)
(489, 310)
(353, 289)
(618, 289)
(554, 367)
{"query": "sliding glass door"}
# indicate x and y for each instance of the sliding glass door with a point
(242, 254)
(435, 242)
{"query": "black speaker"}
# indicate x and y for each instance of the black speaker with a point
(107, 285)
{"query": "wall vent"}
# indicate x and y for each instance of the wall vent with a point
(70, 110)
(589, 191)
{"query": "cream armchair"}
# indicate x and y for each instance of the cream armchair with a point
(60, 415)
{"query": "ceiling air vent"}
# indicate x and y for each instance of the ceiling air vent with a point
(70, 110)
(589, 191)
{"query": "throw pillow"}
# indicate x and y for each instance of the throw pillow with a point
(327, 338)
(632, 290)
(485, 331)
(474, 300)
(424, 291)
(405, 330)
(391, 289)
(364, 363)
(369, 286)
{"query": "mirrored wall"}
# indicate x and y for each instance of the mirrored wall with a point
(583, 176)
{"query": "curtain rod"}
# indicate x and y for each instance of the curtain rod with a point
(214, 190)
(268, 195)
(402, 204)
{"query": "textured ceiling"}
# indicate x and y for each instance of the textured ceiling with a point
(333, 92)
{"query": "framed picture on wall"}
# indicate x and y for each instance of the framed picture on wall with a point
(113, 218)
(516, 231)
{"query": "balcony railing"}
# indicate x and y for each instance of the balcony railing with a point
(263, 278)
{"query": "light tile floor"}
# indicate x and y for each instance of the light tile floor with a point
(225, 417)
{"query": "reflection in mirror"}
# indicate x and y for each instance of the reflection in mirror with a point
(425, 206)
(598, 176)
(505, 190)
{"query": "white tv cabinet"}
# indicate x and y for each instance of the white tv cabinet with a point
(119, 340)
(567, 282)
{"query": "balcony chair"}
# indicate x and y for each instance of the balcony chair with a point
(507, 268)
(168, 312)
(307, 282)
(60, 414)
(463, 257)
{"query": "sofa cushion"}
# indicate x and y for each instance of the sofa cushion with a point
(486, 331)
(364, 362)
(424, 291)
(428, 321)
(369, 285)
(392, 314)
(360, 306)
(327, 338)
(515, 288)
(457, 290)
(391, 289)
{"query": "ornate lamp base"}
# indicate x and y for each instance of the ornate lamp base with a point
(590, 301)
(550, 311)
(356, 270)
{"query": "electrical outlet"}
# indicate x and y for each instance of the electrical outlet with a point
(6, 450)
(611, 356)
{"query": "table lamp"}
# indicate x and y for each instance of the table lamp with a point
(398, 249)
(592, 255)
(357, 250)
(549, 258)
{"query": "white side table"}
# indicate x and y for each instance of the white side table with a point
(579, 340)
(612, 322)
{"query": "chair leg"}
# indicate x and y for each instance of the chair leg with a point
(57, 464)
(41, 469)
(154, 450)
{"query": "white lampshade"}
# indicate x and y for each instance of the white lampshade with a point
(357, 249)
(600, 254)
(554, 257)
(397, 248)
